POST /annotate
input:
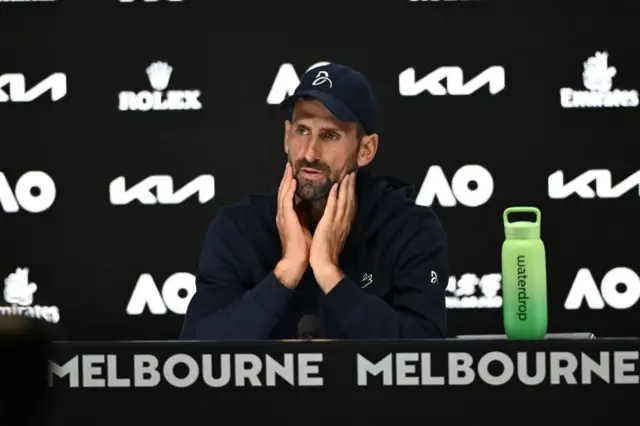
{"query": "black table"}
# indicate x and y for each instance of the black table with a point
(580, 382)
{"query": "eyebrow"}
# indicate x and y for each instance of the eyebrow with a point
(336, 125)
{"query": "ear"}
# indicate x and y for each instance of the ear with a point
(368, 149)
(287, 128)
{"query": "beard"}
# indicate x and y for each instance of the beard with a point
(318, 189)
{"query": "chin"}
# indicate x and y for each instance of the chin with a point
(310, 196)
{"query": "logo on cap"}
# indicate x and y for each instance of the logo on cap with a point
(321, 78)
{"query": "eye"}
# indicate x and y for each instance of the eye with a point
(331, 136)
(301, 131)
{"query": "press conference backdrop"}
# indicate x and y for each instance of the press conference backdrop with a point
(126, 125)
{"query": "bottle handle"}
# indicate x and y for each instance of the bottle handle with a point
(533, 210)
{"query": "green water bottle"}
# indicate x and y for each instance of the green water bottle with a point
(524, 278)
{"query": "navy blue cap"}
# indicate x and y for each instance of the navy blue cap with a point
(342, 90)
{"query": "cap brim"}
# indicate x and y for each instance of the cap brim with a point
(335, 106)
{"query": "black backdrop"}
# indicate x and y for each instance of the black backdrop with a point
(86, 255)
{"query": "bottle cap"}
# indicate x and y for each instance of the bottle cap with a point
(522, 230)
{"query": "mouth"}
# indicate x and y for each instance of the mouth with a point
(311, 174)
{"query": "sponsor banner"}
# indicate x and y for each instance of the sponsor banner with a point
(159, 99)
(303, 370)
(14, 88)
(597, 77)
(560, 375)
(453, 364)
(19, 297)
(115, 159)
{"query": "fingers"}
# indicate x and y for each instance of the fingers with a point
(288, 208)
(287, 202)
(284, 178)
(330, 208)
(341, 205)
(284, 186)
(351, 197)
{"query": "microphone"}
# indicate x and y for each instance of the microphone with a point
(310, 327)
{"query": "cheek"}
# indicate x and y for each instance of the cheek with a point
(296, 145)
(338, 163)
(292, 148)
(347, 162)
(296, 152)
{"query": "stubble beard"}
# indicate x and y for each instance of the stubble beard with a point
(317, 191)
(313, 190)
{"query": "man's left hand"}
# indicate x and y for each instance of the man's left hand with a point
(332, 232)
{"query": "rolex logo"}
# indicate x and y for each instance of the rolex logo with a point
(159, 99)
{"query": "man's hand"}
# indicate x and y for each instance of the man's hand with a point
(295, 238)
(332, 232)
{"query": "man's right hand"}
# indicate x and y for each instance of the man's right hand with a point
(295, 238)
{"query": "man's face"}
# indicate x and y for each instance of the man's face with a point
(321, 149)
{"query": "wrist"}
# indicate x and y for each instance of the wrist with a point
(327, 276)
(289, 273)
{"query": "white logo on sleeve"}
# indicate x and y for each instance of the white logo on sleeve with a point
(597, 76)
(18, 292)
(367, 280)
(160, 99)
(434, 277)
(321, 78)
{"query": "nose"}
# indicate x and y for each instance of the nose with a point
(312, 150)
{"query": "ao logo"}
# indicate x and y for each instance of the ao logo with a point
(436, 185)
(287, 80)
(146, 294)
(619, 289)
(34, 192)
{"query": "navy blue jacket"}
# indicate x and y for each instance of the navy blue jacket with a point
(395, 262)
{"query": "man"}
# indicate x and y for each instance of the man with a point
(336, 242)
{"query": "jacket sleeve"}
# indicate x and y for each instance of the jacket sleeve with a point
(221, 308)
(420, 276)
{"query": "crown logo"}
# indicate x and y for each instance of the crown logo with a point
(159, 75)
